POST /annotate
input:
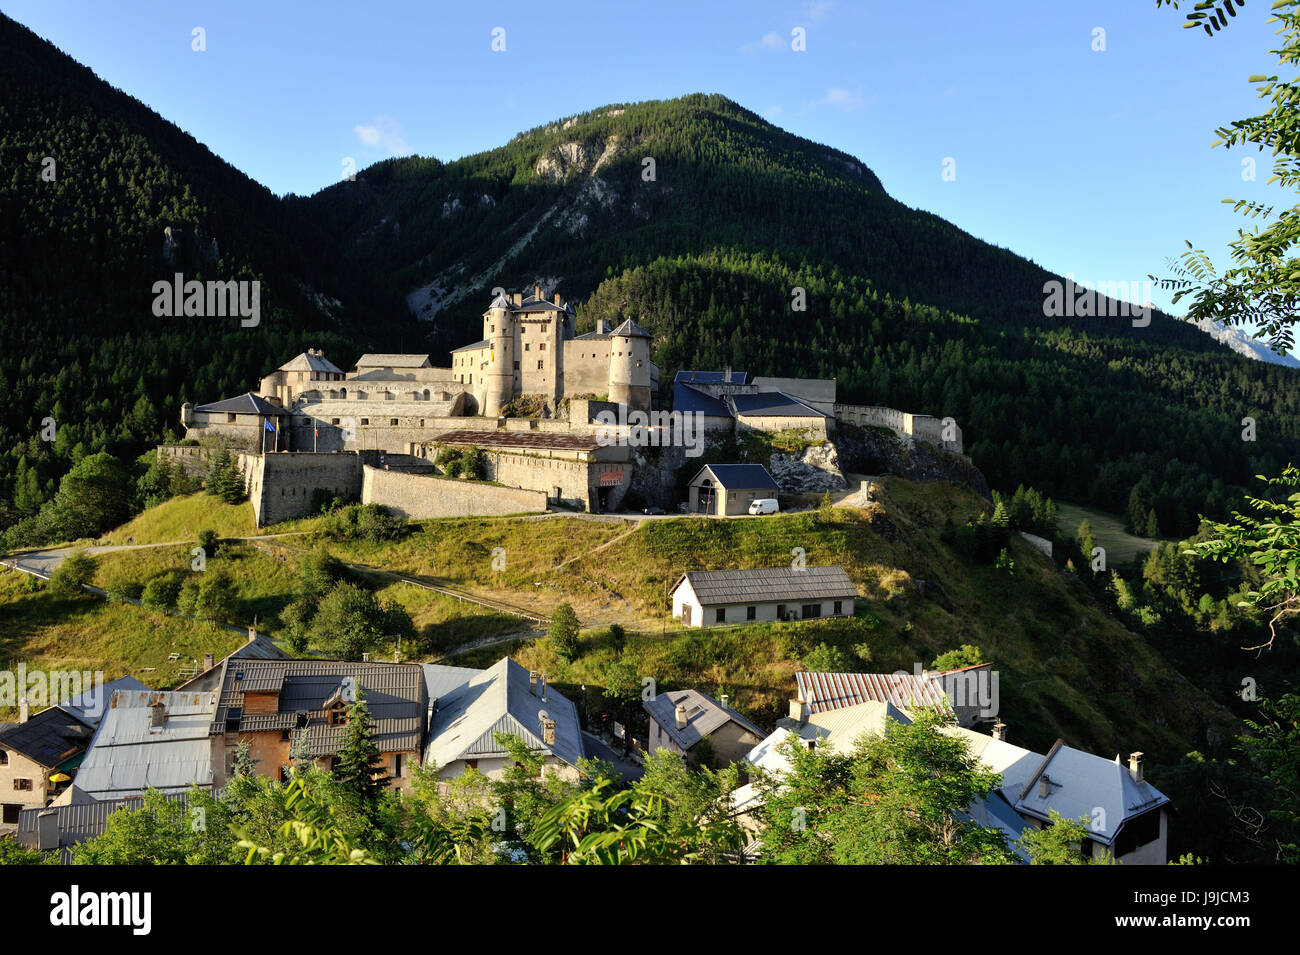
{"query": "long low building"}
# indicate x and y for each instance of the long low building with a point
(703, 598)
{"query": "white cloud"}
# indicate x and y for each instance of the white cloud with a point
(845, 99)
(771, 41)
(384, 133)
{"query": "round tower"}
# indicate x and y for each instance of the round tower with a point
(187, 414)
(498, 330)
(629, 366)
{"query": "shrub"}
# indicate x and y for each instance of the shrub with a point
(564, 633)
(77, 569)
(209, 541)
(161, 592)
(964, 656)
(825, 658)
(122, 589)
(188, 596)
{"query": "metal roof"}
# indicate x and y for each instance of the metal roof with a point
(688, 399)
(129, 755)
(247, 403)
(629, 329)
(704, 715)
(711, 377)
(500, 699)
(768, 584)
(532, 440)
(738, 476)
(831, 691)
(441, 681)
(773, 404)
(393, 361)
(51, 738)
(78, 822)
(309, 362)
(89, 706)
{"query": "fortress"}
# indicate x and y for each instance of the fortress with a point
(532, 396)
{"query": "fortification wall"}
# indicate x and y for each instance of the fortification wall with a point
(422, 496)
(191, 459)
(586, 367)
(919, 427)
(280, 485)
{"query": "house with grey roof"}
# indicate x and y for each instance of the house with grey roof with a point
(966, 694)
(680, 720)
(707, 598)
(727, 490)
(508, 699)
(61, 828)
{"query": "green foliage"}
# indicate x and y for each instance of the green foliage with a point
(163, 832)
(964, 656)
(1060, 842)
(371, 522)
(825, 658)
(224, 479)
(209, 541)
(75, 571)
(563, 633)
(318, 572)
(351, 621)
(12, 853)
(122, 588)
(216, 597)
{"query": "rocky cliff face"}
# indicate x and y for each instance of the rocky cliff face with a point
(880, 451)
(816, 469)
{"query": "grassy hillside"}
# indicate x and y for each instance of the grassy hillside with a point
(1107, 529)
(1066, 668)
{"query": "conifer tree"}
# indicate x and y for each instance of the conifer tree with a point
(360, 767)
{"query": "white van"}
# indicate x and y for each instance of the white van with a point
(763, 505)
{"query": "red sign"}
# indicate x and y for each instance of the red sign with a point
(611, 478)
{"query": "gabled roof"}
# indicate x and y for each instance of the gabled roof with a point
(51, 738)
(477, 345)
(394, 695)
(831, 691)
(393, 361)
(711, 377)
(773, 404)
(738, 476)
(500, 700)
(1079, 784)
(630, 329)
(130, 755)
(309, 362)
(767, 585)
(247, 403)
(704, 715)
(692, 400)
(441, 681)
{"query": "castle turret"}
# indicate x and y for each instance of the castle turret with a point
(187, 414)
(629, 366)
(498, 330)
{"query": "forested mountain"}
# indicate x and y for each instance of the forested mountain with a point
(695, 216)
(82, 241)
(903, 308)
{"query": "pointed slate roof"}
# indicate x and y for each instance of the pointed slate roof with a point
(499, 700)
(247, 403)
(630, 329)
(309, 362)
(704, 715)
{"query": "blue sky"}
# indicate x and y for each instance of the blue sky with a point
(1096, 163)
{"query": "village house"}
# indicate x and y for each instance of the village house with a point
(961, 694)
(727, 490)
(706, 598)
(680, 720)
(38, 756)
(61, 828)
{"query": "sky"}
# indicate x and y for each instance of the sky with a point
(1077, 134)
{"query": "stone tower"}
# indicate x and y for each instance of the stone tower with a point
(499, 332)
(629, 366)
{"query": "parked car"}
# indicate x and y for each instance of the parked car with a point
(763, 505)
(657, 511)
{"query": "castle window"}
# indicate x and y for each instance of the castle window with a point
(334, 420)
(542, 347)
(392, 422)
(527, 346)
(365, 421)
(516, 366)
(539, 365)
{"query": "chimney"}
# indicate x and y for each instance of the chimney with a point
(365, 658)
(209, 661)
(517, 298)
(799, 711)
(548, 728)
(537, 293)
(556, 298)
(680, 713)
(24, 710)
(1044, 786)
(723, 699)
(1135, 766)
(726, 376)
(47, 830)
(157, 715)
(252, 634)
(532, 682)
(999, 730)
(541, 685)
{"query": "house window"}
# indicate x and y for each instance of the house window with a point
(720, 615)
(471, 764)
(230, 419)
(397, 766)
(284, 736)
(338, 716)
(839, 607)
(23, 785)
(812, 610)
(751, 613)
(4, 757)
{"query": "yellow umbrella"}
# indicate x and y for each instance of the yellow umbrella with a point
(60, 778)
